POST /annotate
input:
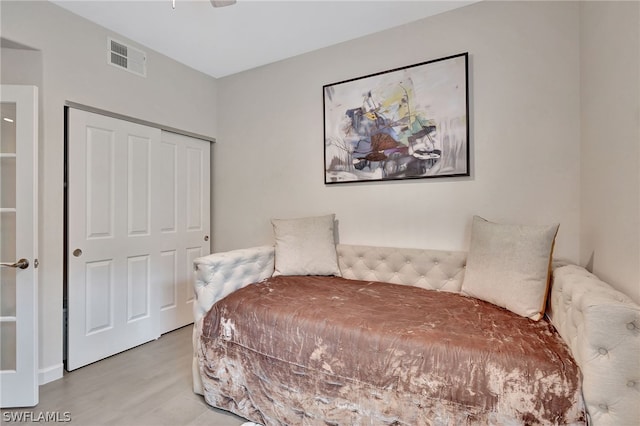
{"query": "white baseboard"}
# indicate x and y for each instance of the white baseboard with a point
(49, 374)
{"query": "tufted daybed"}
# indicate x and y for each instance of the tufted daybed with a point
(600, 325)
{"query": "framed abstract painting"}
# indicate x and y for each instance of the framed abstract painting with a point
(405, 123)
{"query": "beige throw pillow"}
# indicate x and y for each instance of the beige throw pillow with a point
(305, 246)
(509, 266)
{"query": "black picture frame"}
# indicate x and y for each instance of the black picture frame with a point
(406, 123)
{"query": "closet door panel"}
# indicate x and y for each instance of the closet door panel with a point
(110, 246)
(184, 222)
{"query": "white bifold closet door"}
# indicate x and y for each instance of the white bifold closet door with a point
(137, 216)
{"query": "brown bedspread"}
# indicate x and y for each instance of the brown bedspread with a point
(326, 350)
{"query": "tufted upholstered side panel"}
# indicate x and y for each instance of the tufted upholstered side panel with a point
(220, 274)
(430, 269)
(602, 328)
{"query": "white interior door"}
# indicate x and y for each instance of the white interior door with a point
(138, 214)
(18, 247)
(110, 240)
(182, 219)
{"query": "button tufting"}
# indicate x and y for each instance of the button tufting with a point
(631, 383)
(602, 351)
(631, 326)
(603, 407)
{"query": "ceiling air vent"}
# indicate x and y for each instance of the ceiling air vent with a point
(126, 57)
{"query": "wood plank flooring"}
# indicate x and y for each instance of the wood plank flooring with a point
(146, 385)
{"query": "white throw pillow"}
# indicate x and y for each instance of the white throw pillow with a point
(305, 246)
(509, 266)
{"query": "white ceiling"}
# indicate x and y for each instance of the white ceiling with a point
(251, 33)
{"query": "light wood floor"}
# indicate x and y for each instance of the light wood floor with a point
(146, 385)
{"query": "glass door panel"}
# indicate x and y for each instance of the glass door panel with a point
(8, 235)
(8, 139)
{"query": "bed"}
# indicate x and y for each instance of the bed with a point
(393, 340)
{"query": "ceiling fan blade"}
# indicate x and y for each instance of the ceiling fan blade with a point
(222, 3)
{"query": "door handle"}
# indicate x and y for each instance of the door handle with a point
(22, 264)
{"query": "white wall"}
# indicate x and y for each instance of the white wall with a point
(21, 66)
(74, 68)
(610, 123)
(525, 134)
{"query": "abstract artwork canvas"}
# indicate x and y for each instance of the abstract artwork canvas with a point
(405, 123)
